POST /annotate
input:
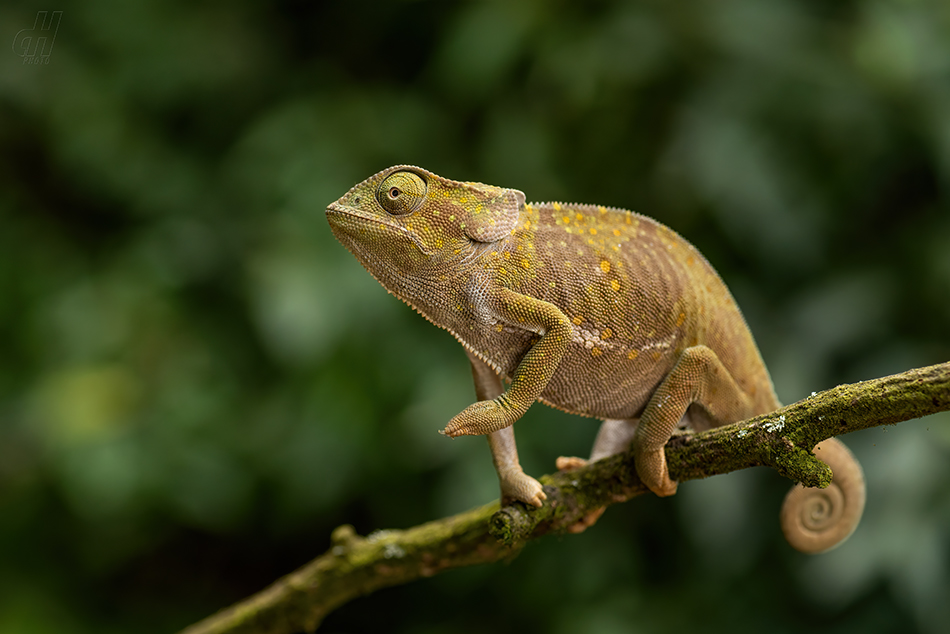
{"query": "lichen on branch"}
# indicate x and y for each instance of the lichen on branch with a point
(783, 440)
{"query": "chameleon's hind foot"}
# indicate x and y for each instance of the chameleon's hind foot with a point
(651, 467)
(570, 463)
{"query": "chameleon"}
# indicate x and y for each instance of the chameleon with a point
(593, 310)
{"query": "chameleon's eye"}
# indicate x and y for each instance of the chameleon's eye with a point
(401, 193)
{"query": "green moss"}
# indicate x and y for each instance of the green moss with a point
(802, 466)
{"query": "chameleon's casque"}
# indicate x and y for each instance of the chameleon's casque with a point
(596, 311)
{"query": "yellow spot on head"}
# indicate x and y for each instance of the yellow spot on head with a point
(614, 284)
(552, 284)
(498, 328)
(557, 206)
(616, 232)
(579, 216)
(566, 219)
(605, 266)
(593, 231)
(602, 209)
(525, 263)
(578, 320)
(632, 354)
(596, 352)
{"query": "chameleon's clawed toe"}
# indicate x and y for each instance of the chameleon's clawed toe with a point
(483, 417)
(570, 463)
(651, 467)
(519, 486)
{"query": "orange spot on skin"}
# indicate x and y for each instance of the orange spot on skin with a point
(616, 232)
(596, 352)
(632, 354)
(605, 266)
(657, 355)
(690, 261)
(680, 319)
(578, 320)
(606, 333)
(566, 219)
(593, 231)
(614, 284)
(579, 216)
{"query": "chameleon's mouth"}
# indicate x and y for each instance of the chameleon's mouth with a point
(353, 226)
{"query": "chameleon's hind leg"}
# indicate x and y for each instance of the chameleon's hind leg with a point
(515, 483)
(699, 378)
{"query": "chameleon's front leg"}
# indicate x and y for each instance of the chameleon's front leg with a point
(515, 484)
(532, 374)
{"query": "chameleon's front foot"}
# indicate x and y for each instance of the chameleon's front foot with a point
(651, 467)
(517, 485)
(483, 417)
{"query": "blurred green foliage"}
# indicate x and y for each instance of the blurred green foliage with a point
(197, 383)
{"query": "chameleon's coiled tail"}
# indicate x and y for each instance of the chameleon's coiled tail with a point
(817, 520)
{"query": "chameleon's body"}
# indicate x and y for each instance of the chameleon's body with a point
(596, 311)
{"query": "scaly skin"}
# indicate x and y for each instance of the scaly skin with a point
(593, 310)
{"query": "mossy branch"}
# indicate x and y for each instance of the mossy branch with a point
(356, 565)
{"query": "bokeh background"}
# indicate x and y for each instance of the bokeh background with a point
(197, 383)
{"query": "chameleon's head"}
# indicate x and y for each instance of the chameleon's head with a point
(407, 221)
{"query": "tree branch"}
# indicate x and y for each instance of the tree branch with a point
(783, 440)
